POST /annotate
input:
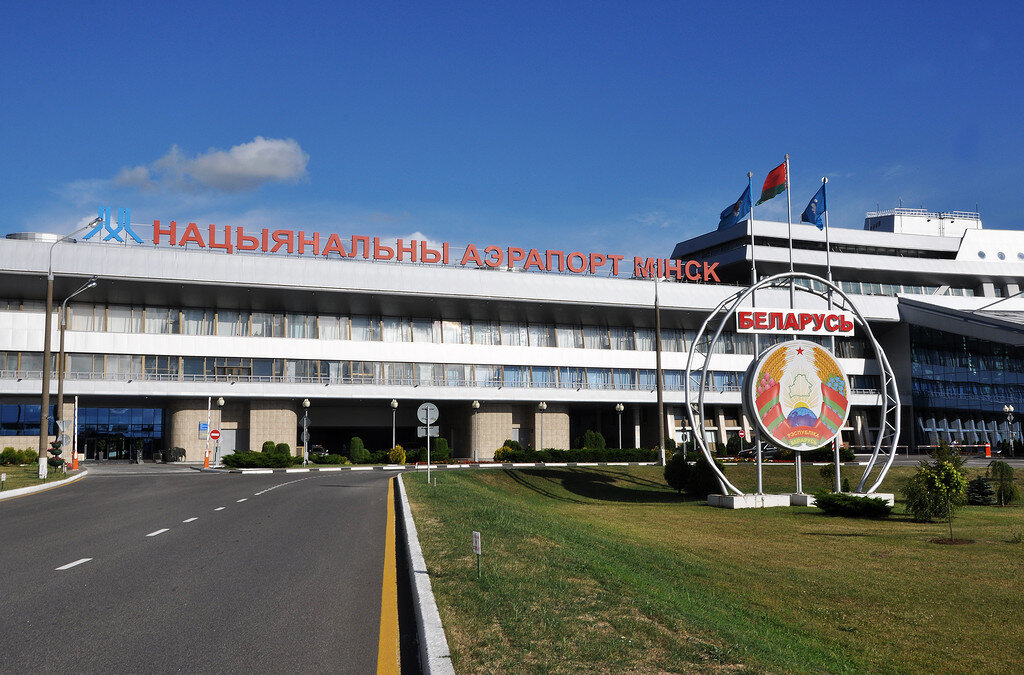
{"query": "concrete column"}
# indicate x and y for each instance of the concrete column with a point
(556, 427)
(720, 422)
(183, 418)
(494, 425)
(273, 420)
(636, 426)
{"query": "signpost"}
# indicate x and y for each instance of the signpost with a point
(427, 414)
(422, 432)
(478, 550)
(215, 435)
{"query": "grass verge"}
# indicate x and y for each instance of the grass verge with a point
(27, 475)
(608, 569)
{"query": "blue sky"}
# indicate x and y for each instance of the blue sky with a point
(621, 127)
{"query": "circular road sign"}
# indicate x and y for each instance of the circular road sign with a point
(215, 434)
(427, 413)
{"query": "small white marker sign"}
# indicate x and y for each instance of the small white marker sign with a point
(476, 543)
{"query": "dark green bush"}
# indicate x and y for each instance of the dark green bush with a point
(591, 440)
(29, 456)
(284, 449)
(979, 492)
(439, 450)
(577, 455)
(10, 456)
(269, 447)
(935, 491)
(851, 506)
(328, 459)
(515, 445)
(701, 479)
(670, 446)
(677, 470)
(1002, 475)
(357, 452)
(253, 460)
(378, 457)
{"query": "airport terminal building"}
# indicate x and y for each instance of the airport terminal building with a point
(536, 346)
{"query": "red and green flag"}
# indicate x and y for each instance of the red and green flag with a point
(774, 184)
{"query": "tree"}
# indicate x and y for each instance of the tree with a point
(979, 492)
(1002, 474)
(936, 491)
(701, 479)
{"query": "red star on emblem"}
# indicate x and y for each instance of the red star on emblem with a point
(799, 350)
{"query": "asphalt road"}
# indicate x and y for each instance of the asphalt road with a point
(194, 572)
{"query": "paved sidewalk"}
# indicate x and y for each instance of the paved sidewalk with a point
(119, 468)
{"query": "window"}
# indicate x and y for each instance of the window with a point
(300, 325)
(645, 339)
(265, 324)
(428, 374)
(195, 322)
(487, 376)
(365, 328)
(595, 337)
(229, 323)
(514, 334)
(516, 376)
(396, 329)
(544, 376)
(332, 327)
(621, 338)
(452, 332)
(87, 317)
(569, 336)
(542, 335)
(161, 320)
(425, 330)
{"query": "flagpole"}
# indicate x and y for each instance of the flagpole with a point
(789, 219)
(828, 247)
(832, 339)
(757, 344)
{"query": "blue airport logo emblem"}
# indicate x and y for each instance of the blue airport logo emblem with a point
(112, 231)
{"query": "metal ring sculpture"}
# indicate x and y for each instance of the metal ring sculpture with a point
(889, 405)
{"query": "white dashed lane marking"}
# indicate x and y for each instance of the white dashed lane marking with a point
(220, 508)
(242, 500)
(153, 534)
(72, 564)
(189, 520)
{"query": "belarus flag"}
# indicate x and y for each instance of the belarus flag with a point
(774, 184)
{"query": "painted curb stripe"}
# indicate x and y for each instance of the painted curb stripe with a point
(387, 644)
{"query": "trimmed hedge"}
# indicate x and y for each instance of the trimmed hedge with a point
(259, 460)
(851, 506)
(328, 459)
(577, 455)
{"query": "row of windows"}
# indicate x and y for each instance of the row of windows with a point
(22, 420)
(162, 320)
(199, 368)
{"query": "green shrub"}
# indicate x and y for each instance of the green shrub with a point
(670, 446)
(701, 479)
(1002, 474)
(851, 506)
(515, 445)
(269, 447)
(935, 491)
(27, 456)
(396, 455)
(328, 459)
(283, 449)
(591, 440)
(439, 450)
(979, 492)
(378, 457)
(677, 470)
(252, 460)
(10, 456)
(357, 452)
(504, 454)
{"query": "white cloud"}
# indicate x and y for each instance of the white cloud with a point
(242, 168)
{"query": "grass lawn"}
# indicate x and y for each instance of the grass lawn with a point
(27, 475)
(606, 569)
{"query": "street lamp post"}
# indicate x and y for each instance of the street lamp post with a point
(1008, 409)
(394, 418)
(619, 408)
(62, 366)
(305, 431)
(659, 375)
(476, 454)
(542, 406)
(220, 428)
(44, 414)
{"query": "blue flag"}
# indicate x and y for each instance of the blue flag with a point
(736, 212)
(815, 211)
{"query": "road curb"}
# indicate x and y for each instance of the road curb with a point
(21, 492)
(402, 468)
(434, 654)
